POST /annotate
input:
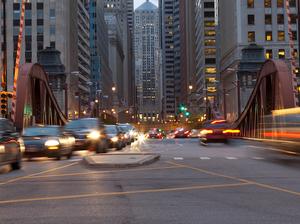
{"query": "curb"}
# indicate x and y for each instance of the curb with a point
(89, 162)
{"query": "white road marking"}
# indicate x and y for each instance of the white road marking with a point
(178, 158)
(75, 160)
(231, 158)
(204, 158)
(258, 158)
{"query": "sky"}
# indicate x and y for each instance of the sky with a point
(137, 3)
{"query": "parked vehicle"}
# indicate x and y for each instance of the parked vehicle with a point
(115, 137)
(10, 150)
(49, 141)
(89, 134)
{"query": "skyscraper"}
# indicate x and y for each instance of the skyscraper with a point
(147, 58)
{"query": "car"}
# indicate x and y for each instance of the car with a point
(10, 149)
(48, 141)
(115, 137)
(130, 131)
(194, 133)
(155, 133)
(89, 134)
(181, 133)
(216, 131)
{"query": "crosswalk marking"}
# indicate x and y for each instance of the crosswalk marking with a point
(231, 158)
(178, 158)
(204, 158)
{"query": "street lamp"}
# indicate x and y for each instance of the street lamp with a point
(113, 89)
(190, 87)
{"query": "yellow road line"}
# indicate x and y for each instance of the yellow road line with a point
(35, 174)
(104, 172)
(161, 190)
(267, 186)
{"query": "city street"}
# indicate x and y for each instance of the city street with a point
(241, 182)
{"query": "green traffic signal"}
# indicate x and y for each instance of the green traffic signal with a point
(187, 114)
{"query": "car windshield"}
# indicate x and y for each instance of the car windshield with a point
(42, 131)
(82, 124)
(126, 127)
(111, 129)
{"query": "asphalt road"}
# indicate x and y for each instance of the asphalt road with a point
(243, 182)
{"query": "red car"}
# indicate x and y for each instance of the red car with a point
(217, 131)
(181, 133)
(155, 133)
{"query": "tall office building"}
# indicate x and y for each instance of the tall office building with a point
(147, 58)
(242, 23)
(206, 70)
(101, 74)
(170, 36)
(63, 25)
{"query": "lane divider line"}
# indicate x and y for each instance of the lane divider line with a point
(160, 190)
(104, 172)
(267, 186)
(35, 174)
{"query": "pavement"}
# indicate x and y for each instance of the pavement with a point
(243, 182)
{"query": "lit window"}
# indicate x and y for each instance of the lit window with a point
(279, 3)
(281, 36)
(210, 70)
(269, 54)
(209, 24)
(269, 36)
(251, 36)
(281, 54)
(268, 3)
(210, 33)
(250, 3)
(210, 51)
(211, 89)
(211, 80)
(210, 42)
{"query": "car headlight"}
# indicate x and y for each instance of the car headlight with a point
(94, 135)
(50, 143)
(114, 139)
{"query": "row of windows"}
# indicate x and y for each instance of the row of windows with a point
(269, 36)
(281, 53)
(268, 3)
(268, 19)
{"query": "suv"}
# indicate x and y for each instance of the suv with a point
(89, 134)
(10, 150)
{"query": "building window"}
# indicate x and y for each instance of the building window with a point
(210, 70)
(269, 54)
(251, 36)
(210, 61)
(250, 3)
(210, 42)
(294, 35)
(52, 13)
(292, 3)
(268, 36)
(281, 36)
(293, 18)
(268, 3)
(209, 5)
(52, 29)
(251, 20)
(281, 54)
(295, 54)
(210, 33)
(209, 24)
(268, 19)
(209, 14)
(280, 4)
(210, 51)
(40, 22)
(40, 5)
(280, 19)
(52, 44)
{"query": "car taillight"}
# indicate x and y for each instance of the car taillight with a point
(231, 131)
(205, 132)
(176, 132)
(186, 132)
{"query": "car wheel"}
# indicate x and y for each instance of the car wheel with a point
(69, 156)
(16, 165)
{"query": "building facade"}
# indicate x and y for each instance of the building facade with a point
(147, 62)
(206, 68)
(44, 28)
(242, 23)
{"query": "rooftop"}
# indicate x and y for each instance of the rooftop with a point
(147, 6)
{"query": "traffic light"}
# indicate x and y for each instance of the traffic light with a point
(187, 114)
(4, 101)
(182, 108)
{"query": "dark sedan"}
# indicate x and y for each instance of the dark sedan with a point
(115, 137)
(10, 150)
(47, 141)
(89, 134)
